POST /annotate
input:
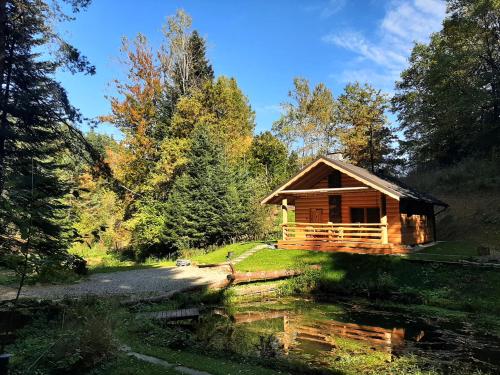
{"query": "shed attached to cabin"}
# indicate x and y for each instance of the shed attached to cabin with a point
(342, 207)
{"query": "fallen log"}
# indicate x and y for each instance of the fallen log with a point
(246, 277)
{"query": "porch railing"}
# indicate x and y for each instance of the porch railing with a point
(349, 232)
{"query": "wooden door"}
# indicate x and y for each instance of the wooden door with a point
(316, 215)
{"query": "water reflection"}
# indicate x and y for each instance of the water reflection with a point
(325, 334)
(296, 331)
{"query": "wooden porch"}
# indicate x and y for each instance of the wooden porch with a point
(360, 238)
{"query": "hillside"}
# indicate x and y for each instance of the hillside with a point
(472, 189)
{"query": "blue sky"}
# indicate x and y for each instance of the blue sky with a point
(263, 44)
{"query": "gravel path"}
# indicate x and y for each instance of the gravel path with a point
(149, 281)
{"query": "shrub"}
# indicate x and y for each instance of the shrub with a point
(306, 282)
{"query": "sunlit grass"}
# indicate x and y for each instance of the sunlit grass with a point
(101, 260)
(219, 255)
(273, 259)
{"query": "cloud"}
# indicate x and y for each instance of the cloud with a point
(357, 43)
(333, 7)
(329, 9)
(276, 108)
(385, 53)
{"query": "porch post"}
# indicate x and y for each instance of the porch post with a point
(284, 216)
(383, 219)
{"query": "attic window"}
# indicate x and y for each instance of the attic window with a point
(334, 179)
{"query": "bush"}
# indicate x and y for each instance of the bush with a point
(306, 282)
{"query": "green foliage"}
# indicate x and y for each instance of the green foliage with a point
(309, 122)
(76, 341)
(209, 202)
(223, 109)
(305, 283)
(448, 99)
(366, 137)
(315, 123)
(269, 158)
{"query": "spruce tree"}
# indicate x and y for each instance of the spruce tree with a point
(36, 129)
(207, 205)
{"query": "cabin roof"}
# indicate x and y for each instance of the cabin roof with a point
(387, 185)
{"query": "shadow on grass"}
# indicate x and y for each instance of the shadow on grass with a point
(455, 287)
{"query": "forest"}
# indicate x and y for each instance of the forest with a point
(91, 224)
(190, 169)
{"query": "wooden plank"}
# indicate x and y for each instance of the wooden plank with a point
(172, 314)
(340, 246)
(324, 190)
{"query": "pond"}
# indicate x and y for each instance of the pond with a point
(344, 336)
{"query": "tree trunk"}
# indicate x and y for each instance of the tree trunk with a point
(3, 63)
(3, 117)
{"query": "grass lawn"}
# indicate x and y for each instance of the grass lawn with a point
(271, 259)
(99, 260)
(219, 255)
(448, 250)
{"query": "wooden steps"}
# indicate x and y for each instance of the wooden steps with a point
(349, 247)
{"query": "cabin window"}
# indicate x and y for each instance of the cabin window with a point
(334, 179)
(334, 208)
(365, 215)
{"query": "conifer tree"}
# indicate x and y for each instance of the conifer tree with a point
(206, 205)
(36, 128)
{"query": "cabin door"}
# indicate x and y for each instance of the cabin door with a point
(316, 215)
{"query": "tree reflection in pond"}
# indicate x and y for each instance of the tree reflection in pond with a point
(329, 335)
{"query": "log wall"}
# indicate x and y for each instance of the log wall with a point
(417, 229)
(370, 198)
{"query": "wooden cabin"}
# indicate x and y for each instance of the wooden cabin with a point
(342, 207)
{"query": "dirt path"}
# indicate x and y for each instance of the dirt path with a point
(144, 282)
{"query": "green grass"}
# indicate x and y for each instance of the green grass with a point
(8, 277)
(463, 248)
(271, 259)
(100, 260)
(219, 255)
(448, 251)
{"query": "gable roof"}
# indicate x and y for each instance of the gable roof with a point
(387, 185)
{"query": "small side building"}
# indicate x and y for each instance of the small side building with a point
(342, 207)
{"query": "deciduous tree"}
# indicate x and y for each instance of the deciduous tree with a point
(366, 137)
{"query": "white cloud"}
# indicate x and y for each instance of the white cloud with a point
(387, 51)
(357, 43)
(328, 9)
(333, 7)
(269, 108)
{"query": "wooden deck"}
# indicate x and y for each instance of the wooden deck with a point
(352, 238)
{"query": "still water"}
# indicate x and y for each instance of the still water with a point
(333, 335)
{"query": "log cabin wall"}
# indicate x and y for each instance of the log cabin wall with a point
(393, 221)
(417, 221)
(304, 204)
(369, 199)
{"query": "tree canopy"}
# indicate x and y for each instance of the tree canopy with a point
(447, 100)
